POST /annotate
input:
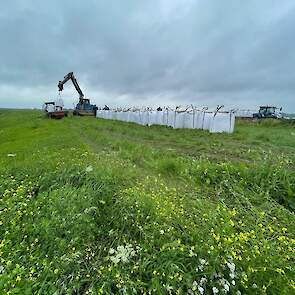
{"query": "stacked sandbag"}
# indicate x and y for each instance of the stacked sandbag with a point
(189, 118)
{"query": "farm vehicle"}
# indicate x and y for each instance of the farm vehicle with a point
(268, 112)
(53, 110)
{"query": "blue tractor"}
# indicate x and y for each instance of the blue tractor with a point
(83, 107)
(268, 112)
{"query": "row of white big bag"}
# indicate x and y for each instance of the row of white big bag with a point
(212, 121)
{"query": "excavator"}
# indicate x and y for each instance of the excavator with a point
(84, 107)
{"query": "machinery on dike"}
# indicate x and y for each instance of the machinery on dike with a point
(54, 110)
(84, 107)
(268, 112)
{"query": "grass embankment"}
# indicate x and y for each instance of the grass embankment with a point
(90, 206)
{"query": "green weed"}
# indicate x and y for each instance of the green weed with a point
(90, 206)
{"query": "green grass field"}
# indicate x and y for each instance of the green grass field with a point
(89, 206)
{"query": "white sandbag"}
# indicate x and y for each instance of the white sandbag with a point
(98, 113)
(159, 117)
(50, 108)
(108, 114)
(120, 116)
(207, 119)
(171, 119)
(124, 116)
(156, 118)
(232, 122)
(188, 120)
(222, 122)
(144, 118)
(165, 117)
(115, 115)
(179, 119)
(198, 119)
(153, 118)
(133, 116)
(138, 117)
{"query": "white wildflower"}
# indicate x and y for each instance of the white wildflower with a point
(89, 169)
(231, 267)
(161, 232)
(168, 288)
(195, 284)
(122, 254)
(215, 290)
(90, 210)
(115, 259)
(201, 290)
(2, 269)
(226, 287)
(203, 281)
(232, 275)
(254, 286)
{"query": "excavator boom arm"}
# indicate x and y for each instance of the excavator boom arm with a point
(66, 79)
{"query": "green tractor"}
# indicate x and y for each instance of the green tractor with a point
(268, 112)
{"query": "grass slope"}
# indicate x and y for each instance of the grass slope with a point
(90, 206)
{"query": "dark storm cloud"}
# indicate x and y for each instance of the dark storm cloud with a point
(240, 53)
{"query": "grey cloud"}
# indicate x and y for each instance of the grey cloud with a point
(144, 52)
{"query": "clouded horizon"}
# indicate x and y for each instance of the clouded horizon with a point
(158, 52)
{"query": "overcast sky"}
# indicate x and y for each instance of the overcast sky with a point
(149, 52)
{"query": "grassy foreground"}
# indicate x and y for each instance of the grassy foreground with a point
(89, 206)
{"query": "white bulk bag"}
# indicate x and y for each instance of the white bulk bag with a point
(207, 120)
(232, 122)
(133, 117)
(108, 115)
(124, 116)
(50, 108)
(156, 118)
(138, 117)
(179, 119)
(223, 122)
(144, 118)
(220, 123)
(98, 113)
(171, 119)
(165, 117)
(120, 116)
(160, 117)
(128, 116)
(115, 115)
(153, 118)
(198, 120)
(188, 120)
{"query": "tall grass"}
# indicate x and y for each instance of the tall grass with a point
(102, 207)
